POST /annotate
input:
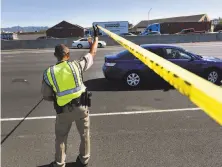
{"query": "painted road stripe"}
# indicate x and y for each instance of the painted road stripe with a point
(107, 114)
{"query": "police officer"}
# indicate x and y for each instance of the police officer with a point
(63, 84)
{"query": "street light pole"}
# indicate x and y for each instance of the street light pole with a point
(149, 15)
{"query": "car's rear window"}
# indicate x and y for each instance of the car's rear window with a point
(125, 55)
(123, 52)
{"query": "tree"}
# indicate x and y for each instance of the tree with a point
(130, 25)
(218, 27)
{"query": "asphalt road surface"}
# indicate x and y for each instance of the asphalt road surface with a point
(150, 127)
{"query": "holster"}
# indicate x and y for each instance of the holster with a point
(58, 108)
(85, 98)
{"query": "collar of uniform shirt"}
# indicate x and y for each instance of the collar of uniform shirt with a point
(61, 61)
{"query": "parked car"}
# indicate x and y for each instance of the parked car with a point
(127, 34)
(125, 67)
(191, 31)
(83, 43)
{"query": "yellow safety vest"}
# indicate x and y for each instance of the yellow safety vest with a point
(66, 81)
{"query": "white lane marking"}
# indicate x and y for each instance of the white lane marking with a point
(9, 56)
(107, 114)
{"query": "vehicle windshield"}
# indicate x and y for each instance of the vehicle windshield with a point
(194, 54)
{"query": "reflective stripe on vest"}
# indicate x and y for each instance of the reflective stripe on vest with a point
(74, 74)
(45, 77)
(53, 78)
(66, 80)
(80, 70)
(70, 91)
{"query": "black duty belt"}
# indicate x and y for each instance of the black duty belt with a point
(84, 100)
(76, 101)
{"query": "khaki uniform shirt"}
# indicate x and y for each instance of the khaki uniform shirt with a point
(47, 91)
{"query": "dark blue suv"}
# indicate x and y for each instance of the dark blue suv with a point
(126, 67)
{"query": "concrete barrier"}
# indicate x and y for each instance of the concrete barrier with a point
(34, 44)
(50, 43)
(219, 36)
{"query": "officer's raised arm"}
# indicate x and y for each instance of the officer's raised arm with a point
(87, 61)
(94, 47)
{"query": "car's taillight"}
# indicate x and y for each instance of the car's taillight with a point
(108, 60)
(110, 64)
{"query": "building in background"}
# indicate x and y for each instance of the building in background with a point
(216, 24)
(88, 31)
(216, 21)
(9, 36)
(182, 19)
(65, 29)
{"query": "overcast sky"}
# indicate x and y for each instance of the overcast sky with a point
(50, 12)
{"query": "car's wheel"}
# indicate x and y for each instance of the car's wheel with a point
(79, 46)
(213, 76)
(132, 79)
(100, 45)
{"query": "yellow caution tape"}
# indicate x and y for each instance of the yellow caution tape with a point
(201, 92)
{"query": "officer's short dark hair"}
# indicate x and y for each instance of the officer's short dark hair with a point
(61, 50)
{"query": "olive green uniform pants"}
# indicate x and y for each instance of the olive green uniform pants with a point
(63, 124)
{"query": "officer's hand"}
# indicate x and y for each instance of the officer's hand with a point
(96, 31)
